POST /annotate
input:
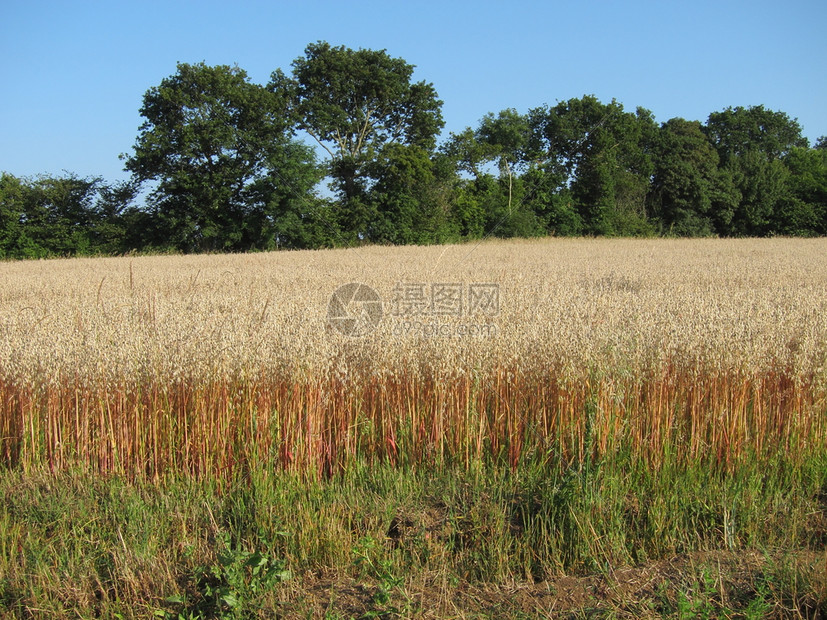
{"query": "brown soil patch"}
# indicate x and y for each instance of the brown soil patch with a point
(713, 584)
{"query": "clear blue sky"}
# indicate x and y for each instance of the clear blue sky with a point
(73, 74)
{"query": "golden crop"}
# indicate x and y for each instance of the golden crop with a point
(211, 364)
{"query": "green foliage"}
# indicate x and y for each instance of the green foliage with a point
(408, 198)
(355, 104)
(12, 221)
(603, 156)
(737, 131)
(388, 587)
(804, 210)
(751, 143)
(227, 173)
(489, 205)
(684, 181)
(62, 216)
(504, 138)
(223, 170)
(95, 547)
(231, 587)
(762, 184)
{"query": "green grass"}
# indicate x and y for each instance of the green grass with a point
(396, 541)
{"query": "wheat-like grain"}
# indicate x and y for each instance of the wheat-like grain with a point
(208, 364)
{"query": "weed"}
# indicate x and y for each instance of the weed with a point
(230, 588)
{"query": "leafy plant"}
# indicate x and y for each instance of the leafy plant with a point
(388, 583)
(231, 587)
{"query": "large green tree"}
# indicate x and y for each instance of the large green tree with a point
(355, 103)
(411, 197)
(751, 144)
(737, 131)
(686, 180)
(803, 210)
(602, 156)
(227, 172)
(12, 216)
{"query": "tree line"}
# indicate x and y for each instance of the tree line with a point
(222, 164)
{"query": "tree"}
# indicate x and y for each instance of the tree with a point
(804, 210)
(685, 179)
(495, 205)
(762, 184)
(355, 103)
(220, 151)
(751, 142)
(737, 131)
(61, 216)
(411, 197)
(11, 215)
(602, 155)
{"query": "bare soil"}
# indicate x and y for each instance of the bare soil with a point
(713, 584)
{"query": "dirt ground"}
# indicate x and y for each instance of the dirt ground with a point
(710, 585)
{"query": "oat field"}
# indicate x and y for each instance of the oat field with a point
(549, 350)
(547, 428)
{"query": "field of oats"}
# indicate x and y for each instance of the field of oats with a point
(500, 351)
(515, 410)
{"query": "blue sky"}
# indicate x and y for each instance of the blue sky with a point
(73, 73)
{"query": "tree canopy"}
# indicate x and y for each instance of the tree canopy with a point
(221, 152)
(354, 104)
(223, 164)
